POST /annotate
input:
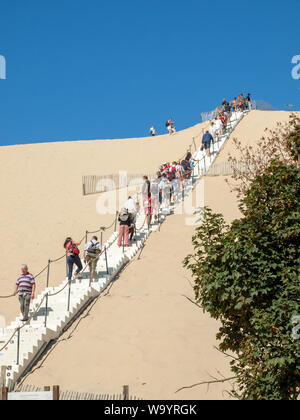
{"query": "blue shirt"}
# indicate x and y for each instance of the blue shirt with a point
(207, 138)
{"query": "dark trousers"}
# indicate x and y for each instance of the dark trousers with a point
(24, 304)
(71, 261)
(131, 231)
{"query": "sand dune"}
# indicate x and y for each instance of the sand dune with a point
(144, 333)
(42, 201)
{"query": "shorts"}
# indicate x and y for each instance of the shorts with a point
(147, 206)
(155, 204)
(206, 145)
(92, 262)
(148, 210)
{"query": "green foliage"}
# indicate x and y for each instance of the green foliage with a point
(293, 139)
(247, 276)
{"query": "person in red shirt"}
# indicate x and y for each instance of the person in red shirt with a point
(72, 251)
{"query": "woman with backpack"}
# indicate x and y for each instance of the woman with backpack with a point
(125, 223)
(72, 251)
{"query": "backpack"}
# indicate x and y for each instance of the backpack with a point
(171, 175)
(93, 250)
(154, 188)
(124, 217)
(73, 250)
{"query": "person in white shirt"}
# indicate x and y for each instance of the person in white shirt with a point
(152, 131)
(92, 253)
(212, 128)
(219, 127)
(131, 205)
(171, 126)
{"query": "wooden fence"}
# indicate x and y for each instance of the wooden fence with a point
(224, 169)
(67, 395)
(95, 184)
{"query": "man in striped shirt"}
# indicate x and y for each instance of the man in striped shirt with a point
(25, 286)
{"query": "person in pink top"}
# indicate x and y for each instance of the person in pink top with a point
(125, 223)
(72, 251)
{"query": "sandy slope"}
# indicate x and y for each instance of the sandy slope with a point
(217, 192)
(144, 333)
(42, 201)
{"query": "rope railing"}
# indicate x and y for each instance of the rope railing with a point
(58, 259)
(6, 297)
(22, 326)
(103, 228)
(141, 228)
(46, 296)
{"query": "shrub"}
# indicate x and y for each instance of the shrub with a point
(247, 276)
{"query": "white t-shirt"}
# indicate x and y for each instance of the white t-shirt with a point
(212, 129)
(130, 205)
(161, 184)
(218, 124)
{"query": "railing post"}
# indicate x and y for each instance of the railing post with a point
(194, 144)
(115, 228)
(46, 313)
(86, 236)
(56, 393)
(69, 295)
(3, 376)
(4, 394)
(48, 272)
(125, 392)
(123, 239)
(105, 253)
(18, 347)
(67, 267)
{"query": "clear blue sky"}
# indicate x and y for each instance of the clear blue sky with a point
(109, 69)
